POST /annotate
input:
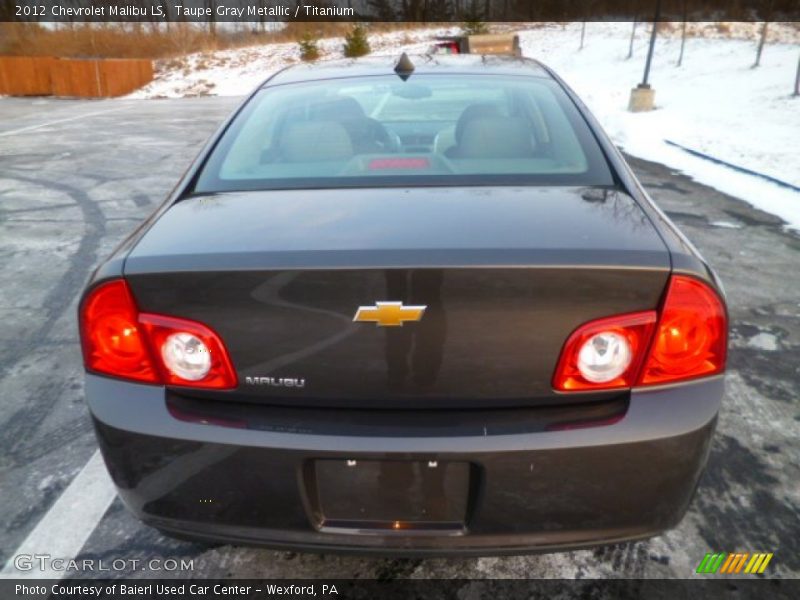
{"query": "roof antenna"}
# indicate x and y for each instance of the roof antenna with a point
(404, 67)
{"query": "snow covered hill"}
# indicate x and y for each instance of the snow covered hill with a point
(714, 103)
(237, 72)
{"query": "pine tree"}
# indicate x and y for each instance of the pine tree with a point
(473, 25)
(356, 42)
(308, 47)
(474, 28)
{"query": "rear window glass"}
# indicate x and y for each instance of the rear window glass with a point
(428, 130)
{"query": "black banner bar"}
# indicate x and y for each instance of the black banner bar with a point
(702, 586)
(231, 11)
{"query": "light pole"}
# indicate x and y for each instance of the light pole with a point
(643, 96)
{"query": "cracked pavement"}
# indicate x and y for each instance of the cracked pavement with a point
(76, 177)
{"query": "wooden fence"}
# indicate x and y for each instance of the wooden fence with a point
(82, 78)
(24, 76)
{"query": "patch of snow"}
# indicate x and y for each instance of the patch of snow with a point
(714, 103)
(764, 341)
(45, 483)
(726, 224)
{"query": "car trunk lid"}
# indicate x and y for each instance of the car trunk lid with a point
(504, 274)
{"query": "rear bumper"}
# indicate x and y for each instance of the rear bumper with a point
(528, 492)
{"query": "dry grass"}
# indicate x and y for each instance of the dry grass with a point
(152, 41)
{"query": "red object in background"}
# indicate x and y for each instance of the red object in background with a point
(398, 163)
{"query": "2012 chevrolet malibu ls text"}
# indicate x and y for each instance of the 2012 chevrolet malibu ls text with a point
(416, 306)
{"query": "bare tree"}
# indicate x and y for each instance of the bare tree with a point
(683, 34)
(761, 40)
(212, 18)
(383, 9)
(630, 46)
(797, 80)
(583, 33)
(165, 8)
(767, 12)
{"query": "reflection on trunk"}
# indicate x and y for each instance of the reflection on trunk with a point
(416, 349)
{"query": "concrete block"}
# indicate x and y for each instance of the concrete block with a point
(642, 99)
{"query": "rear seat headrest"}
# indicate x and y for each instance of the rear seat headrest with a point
(314, 141)
(472, 112)
(496, 137)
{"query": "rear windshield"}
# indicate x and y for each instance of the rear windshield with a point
(427, 130)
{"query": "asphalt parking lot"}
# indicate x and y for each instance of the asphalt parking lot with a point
(77, 177)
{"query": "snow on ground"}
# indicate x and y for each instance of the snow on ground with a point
(714, 103)
(237, 72)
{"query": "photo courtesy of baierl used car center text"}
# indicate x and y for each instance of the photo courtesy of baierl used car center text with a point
(398, 299)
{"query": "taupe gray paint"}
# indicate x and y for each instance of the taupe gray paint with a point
(583, 481)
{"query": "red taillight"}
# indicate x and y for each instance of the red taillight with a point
(692, 335)
(118, 340)
(687, 339)
(630, 333)
(113, 340)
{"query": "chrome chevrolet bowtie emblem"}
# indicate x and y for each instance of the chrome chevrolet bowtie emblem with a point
(389, 314)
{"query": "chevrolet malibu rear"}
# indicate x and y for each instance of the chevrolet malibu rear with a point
(409, 307)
